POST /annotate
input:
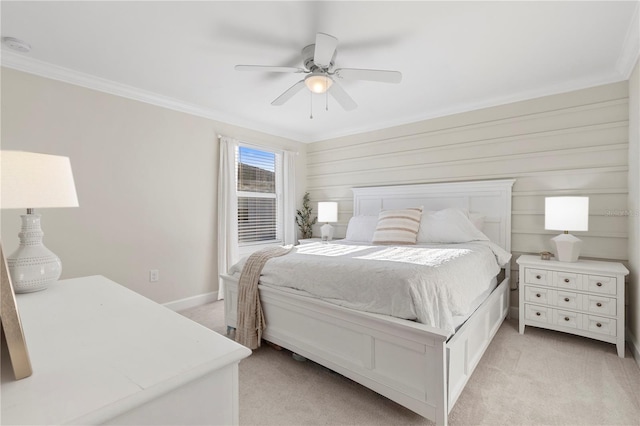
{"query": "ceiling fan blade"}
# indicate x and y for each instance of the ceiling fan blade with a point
(288, 94)
(342, 97)
(324, 50)
(266, 68)
(383, 76)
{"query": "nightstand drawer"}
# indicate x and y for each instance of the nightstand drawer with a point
(600, 325)
(567, 318)
(568, 300)
(538, 313)
(567, 280)
(538, 295)
(537, 276)
(599, 304)
(599, 284)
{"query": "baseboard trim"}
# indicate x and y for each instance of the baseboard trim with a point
(634, 346)
(192, 302)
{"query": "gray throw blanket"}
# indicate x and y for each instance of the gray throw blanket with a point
(250, 317)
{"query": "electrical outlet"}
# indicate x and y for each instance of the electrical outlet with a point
(154, 275)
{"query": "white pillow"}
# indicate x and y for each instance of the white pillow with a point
(478, 220)
(448, 226)
(398, 226)
(361, 228)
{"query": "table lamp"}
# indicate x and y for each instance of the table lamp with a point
(30, 180)
(327, 212)
(566, 214)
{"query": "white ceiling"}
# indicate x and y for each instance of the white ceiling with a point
(454, 56)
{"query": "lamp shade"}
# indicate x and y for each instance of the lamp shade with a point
(32, 180)
(566, 213)
(327, 211)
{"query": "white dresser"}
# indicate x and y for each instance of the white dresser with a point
(103, 354)
(585, 298)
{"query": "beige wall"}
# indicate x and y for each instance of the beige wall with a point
(633, 312)
(568, 144)
(146, 179)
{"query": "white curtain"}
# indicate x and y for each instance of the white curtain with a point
(227, 209)
(289, 188)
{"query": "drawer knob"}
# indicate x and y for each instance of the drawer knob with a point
(598, 324)
(599, 305)
(538, 277)
(566, 280)
(537, 294)
(538, 314)
(566, 318)
(599, 284)
(566, 299)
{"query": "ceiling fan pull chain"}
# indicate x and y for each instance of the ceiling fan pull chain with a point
(310, 106)
(326, 105)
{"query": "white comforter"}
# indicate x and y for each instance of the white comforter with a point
(426, 283)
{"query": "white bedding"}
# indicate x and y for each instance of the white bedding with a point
(428, 283)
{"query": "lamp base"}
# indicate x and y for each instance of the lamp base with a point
(326, 232)
(32, 266)
(567, 247)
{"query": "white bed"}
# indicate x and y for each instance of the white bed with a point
(420, 367)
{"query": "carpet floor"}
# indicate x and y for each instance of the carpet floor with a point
(539, 378)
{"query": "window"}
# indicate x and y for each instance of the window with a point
(259, 183)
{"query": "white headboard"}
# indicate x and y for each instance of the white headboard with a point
(491, 198)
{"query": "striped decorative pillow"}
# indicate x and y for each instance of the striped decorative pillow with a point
(398, 226)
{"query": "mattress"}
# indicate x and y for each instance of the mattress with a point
(438, 284)
(458, 320)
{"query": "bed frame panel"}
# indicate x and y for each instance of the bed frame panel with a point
(419, 367)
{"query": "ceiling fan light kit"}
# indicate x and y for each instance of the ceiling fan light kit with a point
(318, 83)
(318, 60)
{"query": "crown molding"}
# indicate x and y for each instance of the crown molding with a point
(631, 46)
(45, 69)
(624, 68)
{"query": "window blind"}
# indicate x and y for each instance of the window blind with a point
(256, 171)
(256, 219)
(258, 215)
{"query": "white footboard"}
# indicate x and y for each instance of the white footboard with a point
(408, 362)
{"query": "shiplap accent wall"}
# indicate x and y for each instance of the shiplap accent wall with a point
(568, 144)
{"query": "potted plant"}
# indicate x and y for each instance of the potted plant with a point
(303, 218)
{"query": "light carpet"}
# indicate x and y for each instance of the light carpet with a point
(539, 378)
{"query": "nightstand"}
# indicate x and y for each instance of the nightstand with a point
(585, 298)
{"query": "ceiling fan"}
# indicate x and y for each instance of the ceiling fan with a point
(318, 63)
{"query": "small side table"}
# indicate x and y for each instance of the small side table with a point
(585, 298)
